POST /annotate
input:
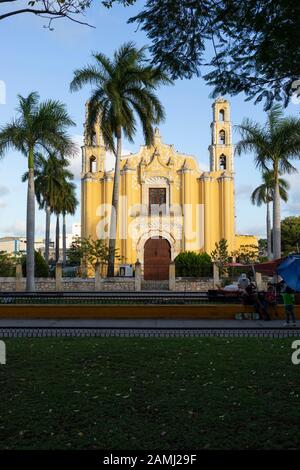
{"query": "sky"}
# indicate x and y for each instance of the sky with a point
(36, 59)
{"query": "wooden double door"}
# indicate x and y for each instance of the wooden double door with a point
(157, 258)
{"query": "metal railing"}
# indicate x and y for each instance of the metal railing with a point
(114, 298)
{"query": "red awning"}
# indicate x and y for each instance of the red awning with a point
(269, 268)
(235, 265)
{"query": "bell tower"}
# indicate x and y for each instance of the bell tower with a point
(93, 151)
(92, 173)
(221, 148)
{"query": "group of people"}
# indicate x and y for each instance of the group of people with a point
(265, 302)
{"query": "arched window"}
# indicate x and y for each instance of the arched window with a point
(93, 164)
(223, 162)
(222, 137)
(222, 115)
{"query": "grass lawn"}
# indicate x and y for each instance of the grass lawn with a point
(134, 393)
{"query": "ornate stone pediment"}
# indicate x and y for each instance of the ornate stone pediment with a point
(156, 180)
(156, 162)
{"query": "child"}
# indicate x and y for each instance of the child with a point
(289, 302)
(270, 301)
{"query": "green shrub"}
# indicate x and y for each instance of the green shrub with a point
(41, 267)
(7, 267)
(191, 264)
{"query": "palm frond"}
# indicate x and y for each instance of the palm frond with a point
(275, 117)
(260, 195)
(254, 139)
(124, 87)
(104, 64)
(27, 106)
(88, 75)
(13, 135)
(265, 192)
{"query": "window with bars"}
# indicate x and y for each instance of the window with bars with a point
(223, 163)
(157, 201)
(222, 137)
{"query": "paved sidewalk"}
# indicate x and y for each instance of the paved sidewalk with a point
(140, 323)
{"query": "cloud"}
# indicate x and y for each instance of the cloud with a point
(4, 190)
(257, 230)
(244, 191)
(16, 229)
(75, 161)
(203, 166)
(292, 207)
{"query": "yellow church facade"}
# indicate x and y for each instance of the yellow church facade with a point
(167, 203)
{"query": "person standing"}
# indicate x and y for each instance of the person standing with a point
(243, 281)
(269, 301)
(289, 306)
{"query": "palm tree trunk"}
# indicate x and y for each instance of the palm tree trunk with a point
(276, 219)
(47, 234)
(115, 206)
(57, 239)
(30, 226)
(269, 232)
(64, 240)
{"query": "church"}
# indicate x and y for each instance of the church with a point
(167, 203)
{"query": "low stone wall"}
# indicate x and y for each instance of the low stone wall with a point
(193, 284)
(8, 284)
(117, 284)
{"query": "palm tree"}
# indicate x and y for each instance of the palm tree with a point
(69, 205)
(50, 175)
(264, 194)
(57, 211)
(124, 88)
(60, 182)
(39, 125)
(42, 197)
(274, 145)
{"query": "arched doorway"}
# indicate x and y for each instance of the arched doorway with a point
(157, 258)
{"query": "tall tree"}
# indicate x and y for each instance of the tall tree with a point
(264, 194)
(51, 174)
(47, 9)
(39, 125)
(124, 87)
(244, 43)
(220, 255)
(69, 206)
(63, 190)
(274, 144)
(290, 228)
(40, 183)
